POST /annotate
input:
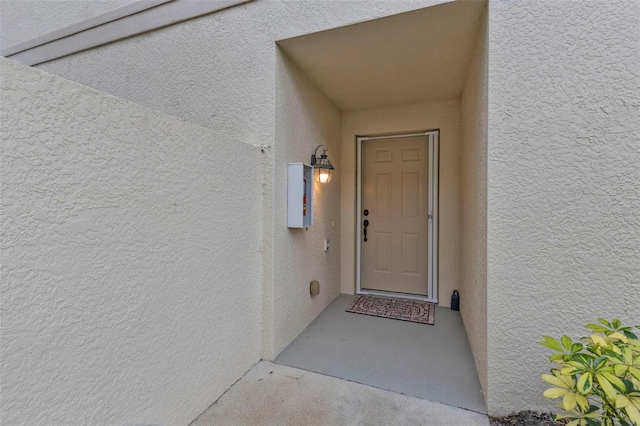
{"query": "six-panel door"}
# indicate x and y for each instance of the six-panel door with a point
(395, 198)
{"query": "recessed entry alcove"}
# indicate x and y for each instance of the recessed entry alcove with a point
(397, 74)
(417, 56)
(413, 73)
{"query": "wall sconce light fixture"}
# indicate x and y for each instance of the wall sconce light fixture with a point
(321, 166)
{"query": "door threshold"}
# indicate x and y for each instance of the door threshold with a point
(397, 295)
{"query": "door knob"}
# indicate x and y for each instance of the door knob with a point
(365, 223)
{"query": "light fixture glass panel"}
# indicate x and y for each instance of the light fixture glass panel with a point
(322, 166)
(323, 175)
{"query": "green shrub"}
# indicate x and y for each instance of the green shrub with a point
(598, 379)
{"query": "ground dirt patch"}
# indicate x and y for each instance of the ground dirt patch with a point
(525, 418)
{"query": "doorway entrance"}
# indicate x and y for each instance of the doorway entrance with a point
(397, 219)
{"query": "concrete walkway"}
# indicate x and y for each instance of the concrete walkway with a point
(271, 394)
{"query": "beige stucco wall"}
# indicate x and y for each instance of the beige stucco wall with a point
(442, 115)
(473, 186)
(24, 20)
(217, 70)
(220, 71)
(130, 258)
(563, 237)
(304, 120)
(562, 175)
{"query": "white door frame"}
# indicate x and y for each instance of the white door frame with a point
(432, 260)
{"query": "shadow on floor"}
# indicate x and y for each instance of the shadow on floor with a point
(431, 362)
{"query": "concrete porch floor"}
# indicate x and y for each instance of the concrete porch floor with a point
(350, 369)
(431, 362)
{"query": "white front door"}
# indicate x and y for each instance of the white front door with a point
(396, 215)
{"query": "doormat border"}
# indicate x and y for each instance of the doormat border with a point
(394, 308)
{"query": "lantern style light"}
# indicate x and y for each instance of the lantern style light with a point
(321, 166)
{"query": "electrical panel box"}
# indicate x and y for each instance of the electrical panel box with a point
(299, 195)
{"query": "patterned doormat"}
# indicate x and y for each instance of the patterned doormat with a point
(400, 309)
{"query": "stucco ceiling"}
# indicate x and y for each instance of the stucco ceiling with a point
(411, 57)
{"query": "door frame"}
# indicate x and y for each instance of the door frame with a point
(433, 137)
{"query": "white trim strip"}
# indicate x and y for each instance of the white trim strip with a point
(128, 21)
(402, 135)
(113, 15)
(359, 212)
(434, 166)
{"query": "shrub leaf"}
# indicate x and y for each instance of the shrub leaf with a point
(585, 382)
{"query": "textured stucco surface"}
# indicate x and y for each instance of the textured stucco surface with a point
(219, 71)
(23, 20)
(443, 115)
(130, 258)
(563, 181)
(304, 119)
(562, 197)
(473, 188)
